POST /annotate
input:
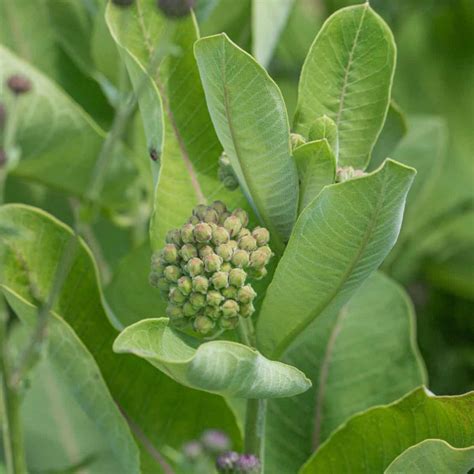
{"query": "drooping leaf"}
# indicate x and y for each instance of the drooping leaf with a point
(268, 21)
(250, 118)
(155, 405)
(362, 356)
(324, 127)
(433, 455)
(348, 76)
(316, 168)
(341, 237)
(371, 440)
(190, 152)
(224, 367)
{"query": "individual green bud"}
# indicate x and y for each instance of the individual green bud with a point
(237, 277)
(226, 174)
(242, 215)
(187, 233)
(214, 298)
(202, 232)
(175, 296)
(174, 311)
(296, 140)
(189, 310)
(185, 285)
(157, 265)
(198, 300)
(200, 284)
(259, 258)
(230, 309)
(199, 211)
(228, 323)
(226, 267)
(246, 310)
(230, 292)
(173, 237)
(188, 251)
(154, 278)
(193, 220)
(220, 235)
(240, 258)
(219, 207)
(195, 266)
(243, 232)
(211, 216)
(223, 217)
(212, 263)
(220, 280)
(163, 284)
(203, 325)
(170, 253)
(172, 273)
(204, 250)
(259, 273)
(212, 312)
(233, 224)
(261, 235)
(246, 294)
(225, 251)
(248, 243)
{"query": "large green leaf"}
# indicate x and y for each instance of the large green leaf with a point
(341, 237)
(370, 441)
(348, 76)
(190, 149)
(250, 118)
(316, 168)
(224, 367)
(362, 356)
(81, 340)
(433, 455)
(61, 151)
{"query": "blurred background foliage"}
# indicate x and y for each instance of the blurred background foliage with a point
(68, 41)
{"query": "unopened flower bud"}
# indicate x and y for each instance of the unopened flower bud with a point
(225, 463)
(195, 266)
(259, 258)
(214, 298)
(240, 258)
(187, 233)
(220, 235)
(248, 464)
(174, 311)
(19, 84)
(296, 140)
(230, 292)
(237, 277)
(229, 323)
(225, 251)
(192, 450)
(219, 207)
(346, 173)
(248, 243)
(211, 216)
(172, 273)
(202, 232)
(220, 280)
(212, 263)
(154, 277)
(243, 232)
(246, 310)
(199, 211)
(205, 250)
(173, 237)
(259, 273)
(242, 215)
(163, 284)
(198, 300)
(200, 284)
(226, 267)
(188, 251)
(212, 312)
(230, 309)
(185, 285)
(189, 310)
(246, 294)
(215, 441)
(233, 224)
(175, 296)
(261, 235)
(203, 325)
(194, 220)
(170, 253)
(223, 217)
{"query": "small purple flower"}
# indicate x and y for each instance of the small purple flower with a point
(192, 450)
(215, 441)
(225, 462)
(248, 464)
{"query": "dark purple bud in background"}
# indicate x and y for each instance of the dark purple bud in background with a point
(225, 462)
(19, 84)
(176, 8)
(248, 464)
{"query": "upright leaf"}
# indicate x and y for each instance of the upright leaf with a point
(81, 339)
(348, 76)
(324, 127)
(250, 118)
(341, 237)
(371, 440)
(362, 356)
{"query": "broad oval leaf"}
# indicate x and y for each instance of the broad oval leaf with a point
(348, 76)
(341, 237)
(81, 339)
(361, 356)
(250, 119)
(371, 440)
(316, 168)
(433, 455)
(224, 367)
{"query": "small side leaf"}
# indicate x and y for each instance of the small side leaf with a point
(223, 367)
(324, 127)
(316, 168)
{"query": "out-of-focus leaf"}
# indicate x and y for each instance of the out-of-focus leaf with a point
(348, 76)
(362, 356)
(341, 237)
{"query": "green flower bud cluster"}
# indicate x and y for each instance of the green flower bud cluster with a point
(296, 140)
(345, 173)
(225, 173)
(204, 266)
